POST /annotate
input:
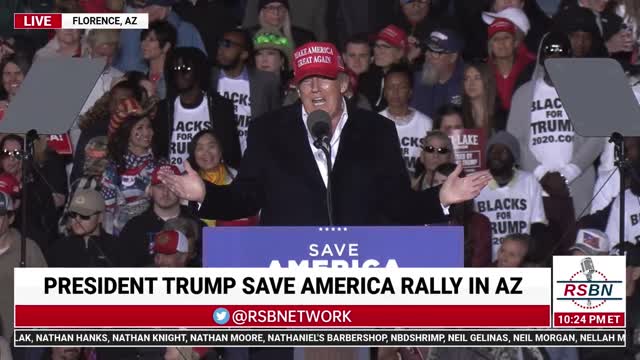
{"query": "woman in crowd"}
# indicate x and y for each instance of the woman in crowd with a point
(205, 157)
(437, 150)
(42, 218)
(14, 68)
(95, 122)
(131, 162)
(479, 102)
(477, 227)
(272, 53)
(156, 42)
(274, 15)
(448, 118)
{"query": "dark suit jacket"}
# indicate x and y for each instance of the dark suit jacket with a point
(279, 175)
(222, 120)
(264, 87)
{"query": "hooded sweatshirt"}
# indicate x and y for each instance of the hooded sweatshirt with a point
(548, 142)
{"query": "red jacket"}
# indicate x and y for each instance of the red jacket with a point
(505, 86)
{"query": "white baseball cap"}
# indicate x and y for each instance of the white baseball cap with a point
(591, 242)
(515, 15)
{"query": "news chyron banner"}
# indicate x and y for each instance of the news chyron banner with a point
(41, 21)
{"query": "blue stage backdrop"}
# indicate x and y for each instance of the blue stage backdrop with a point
(360, 246)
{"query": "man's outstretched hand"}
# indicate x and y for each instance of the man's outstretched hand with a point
(189, 186)
(458, 189)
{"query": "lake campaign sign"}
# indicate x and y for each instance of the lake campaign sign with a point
(347, 247)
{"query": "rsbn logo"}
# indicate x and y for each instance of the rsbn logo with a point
(589, 288)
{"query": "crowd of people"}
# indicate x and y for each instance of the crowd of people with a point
(182, 95)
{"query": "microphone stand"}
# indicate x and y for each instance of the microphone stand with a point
(27, 157)
(621, 163)
(324, 144)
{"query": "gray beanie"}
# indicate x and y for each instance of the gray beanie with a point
(508, 140)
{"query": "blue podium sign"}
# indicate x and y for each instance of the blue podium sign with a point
(346, 247)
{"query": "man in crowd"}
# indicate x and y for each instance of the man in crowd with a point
(87, 244)
(560, 159)
(579, 24)
(591, 242)
(171, 249)
(357, 54)
(411, 124)
(440, 81)
(253, 92)
(130, 54)
(513, 199)
(137, 235)
(190, 108)
(10, 259)
(390, 48)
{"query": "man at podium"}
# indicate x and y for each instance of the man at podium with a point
(284, 176)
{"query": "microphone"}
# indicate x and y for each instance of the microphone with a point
(587, 269)
(319, 125)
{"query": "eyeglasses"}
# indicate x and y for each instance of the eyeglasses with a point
(73, 215)
(182, 68)
(274, 8)
(271, 39)
(16, 154)
(226, 43)
(430, 149)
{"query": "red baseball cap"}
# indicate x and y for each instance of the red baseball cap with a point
(316, 58)
(501, 25)
(9, 185)
(167, 168)
(169, 242)
(394, 36)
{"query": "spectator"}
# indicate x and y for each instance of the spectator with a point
(95, 122)
(437, 150)
(130, 55)
(274, 15)
(65, 43)
(448, 118)
(253, 92)
(87, 245)
(141, 79)
(103, 44)
(411, 124)
(629, 11)
(309, 15)
(390, 48)
(591, 242)
(477, 227)
(513, 199)
(50, 166)
(192, 230)
(579, 24)
(95, 163)
(131, 161)
(514, 250)
(416, 22)
(191, 107)
(171, 248)
(357, 54)
(205, 157)
(508, 58)
(136, 239)
(559, 158)
(632, 209)
(272, 53)
(156, 43)
(41, 213)
(10, 258)
(441, 79)
(346, 18)
(353, 96)
(14, 68)
(480, 106)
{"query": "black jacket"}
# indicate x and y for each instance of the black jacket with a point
(74, 251)
(222, 120)
(135, 239)
(280, 176)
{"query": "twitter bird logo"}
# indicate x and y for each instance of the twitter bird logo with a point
(221, 316)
